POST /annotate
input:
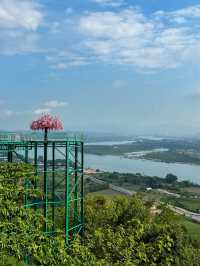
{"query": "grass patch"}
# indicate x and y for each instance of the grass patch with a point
(192, 228)
(194, 190)
(189, 204)
(107, 192)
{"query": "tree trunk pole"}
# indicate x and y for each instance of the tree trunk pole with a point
(45, 179)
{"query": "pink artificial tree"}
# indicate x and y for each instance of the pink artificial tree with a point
(47, 122)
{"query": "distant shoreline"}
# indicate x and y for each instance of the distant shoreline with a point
(144, 158)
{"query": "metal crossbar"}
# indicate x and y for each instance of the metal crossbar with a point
(59, 166)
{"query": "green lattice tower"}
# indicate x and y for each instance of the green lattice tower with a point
(59, 165)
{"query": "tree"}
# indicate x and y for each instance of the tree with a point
(170, 178)
(123, 231)
(20, 227)
(120, 231)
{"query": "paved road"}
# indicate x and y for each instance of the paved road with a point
(164, 191)
(113, 187)
(193, 216)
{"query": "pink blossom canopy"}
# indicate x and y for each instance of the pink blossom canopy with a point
(47, 122)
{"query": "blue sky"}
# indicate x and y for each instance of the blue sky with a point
(101, 65)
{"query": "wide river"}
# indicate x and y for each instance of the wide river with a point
(147, 167)
(134, 165)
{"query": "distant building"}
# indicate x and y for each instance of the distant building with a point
(89, 171)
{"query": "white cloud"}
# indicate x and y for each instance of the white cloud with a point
(8, 113)
(48, 106)
(45, 109)
(20, 14)
(128, 37)
(182, 15)
(113, 3)
(19, 42)
(191, 11)
(125, 36)
(19, 22)
(64, 60)
(55, 104)
(40, 111)
(73, 63)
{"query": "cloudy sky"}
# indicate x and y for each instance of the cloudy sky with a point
(128, 66)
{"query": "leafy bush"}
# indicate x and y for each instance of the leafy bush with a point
(119, 231)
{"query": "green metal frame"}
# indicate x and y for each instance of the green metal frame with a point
(61, 177)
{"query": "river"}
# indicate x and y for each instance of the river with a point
(135, 165)
(146, 167)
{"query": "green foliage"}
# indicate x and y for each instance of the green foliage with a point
(20, 227)
(124, 232)
(90, 186)
(119, 231)
(170, 178)
(9, 261)
(140, 182)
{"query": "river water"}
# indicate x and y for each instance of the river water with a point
(134, 165)
(146, 167)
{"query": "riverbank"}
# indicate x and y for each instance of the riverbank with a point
(182, 194)
(162, 150)
(145, 167)
(171, 157)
